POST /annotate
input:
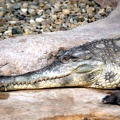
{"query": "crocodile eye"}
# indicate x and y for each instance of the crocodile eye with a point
(65, 59)
(73, 58)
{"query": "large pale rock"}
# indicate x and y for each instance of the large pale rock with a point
(57, 104)
(104, 3)
(27, 53)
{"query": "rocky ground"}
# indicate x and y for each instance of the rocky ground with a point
(57, 104)
(27, 53)
(22, 17)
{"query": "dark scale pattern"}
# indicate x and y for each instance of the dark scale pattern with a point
(107, 50)
(110, 76)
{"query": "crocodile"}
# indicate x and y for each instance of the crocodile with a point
(94, 64)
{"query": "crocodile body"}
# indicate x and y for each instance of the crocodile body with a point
(95, 64)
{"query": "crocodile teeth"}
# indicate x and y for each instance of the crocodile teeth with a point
(16, 86)
(29, 86)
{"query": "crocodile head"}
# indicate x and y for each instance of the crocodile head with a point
(74, 67)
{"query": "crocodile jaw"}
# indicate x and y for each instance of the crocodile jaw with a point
(68, 81)
(73, 75)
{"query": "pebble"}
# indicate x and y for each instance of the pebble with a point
(14, 31)
(54, 16)
(1, 13)
(16, 7)
(31, 11)
(19, 30)
(8, 32)
(90, 9)
(25, 5)
(108, 9)
(66, 11)
(24, 10)
(76, 9)
(97, 16)
(37, 16)
(33, 7)
(101, 12)
(12, 22)
(27, 31)
(32, 22)
(39, 20)
(56, 5)
(47, 11)
(39, 12)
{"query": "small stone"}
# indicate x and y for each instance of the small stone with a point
(0, 34)
(61, 16)
(27, 31)
(47, 7)
(8, 32)
(91, 14)
(39, 20)
(81, 19)
(9, 6)
(16, 7)
(66, 11)
(63, 29)
(12, 1)
(54, 17)
(57, 10)
(2, 23)
(2, 29)
(48, 11)
(71, 20)
(46, 30)
(83, 10)
(40, 12)
(88, 2)
(14, 31)
(73, 25)
(24, 10)
(31, 11)
(56, 5)
(101, 12)
(41, 4)
(84, 23)
(33, 7)
(1, 13)
(33, 3)
(19, 30)
(25, 5)
(76, 9)
(32, 22)
(98, 16)
(90, 9)
(20, 17)
(82, 5)
(12, 22)
(108, 9)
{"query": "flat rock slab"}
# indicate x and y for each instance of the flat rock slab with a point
(53, 104)
(28, 53)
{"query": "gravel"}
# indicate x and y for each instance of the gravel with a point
(22, 17)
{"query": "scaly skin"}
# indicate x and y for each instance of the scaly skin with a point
(95, 64)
